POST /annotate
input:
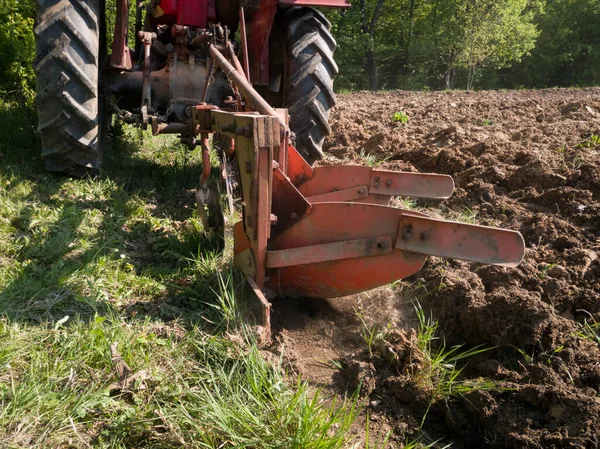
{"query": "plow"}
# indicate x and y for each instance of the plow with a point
(252, 83)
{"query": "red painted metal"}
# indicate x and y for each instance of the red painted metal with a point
(460, 241)
(120, 57)
(341, 196)
(258, 45)
(298, 170)
(324, 3)
(337, 222)
(348, 249)
(381, 182)
(169, 7)
(192, 13)
(289, 206)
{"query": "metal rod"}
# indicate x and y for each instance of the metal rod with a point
(236, 61)
(207, 82)
(170, 128)
(239, 80)
(205, 161)
(244, 43)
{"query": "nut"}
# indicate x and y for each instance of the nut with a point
(382, 245)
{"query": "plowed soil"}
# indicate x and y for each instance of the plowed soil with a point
(522, 160)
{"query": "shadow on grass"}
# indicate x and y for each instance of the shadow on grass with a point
(127, 263)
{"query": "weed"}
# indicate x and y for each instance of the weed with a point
(440, 374)
(589, 331)
(370, 332)
(371, 159)
(400, 117)
(465, 215)
(545, 269)
(484, 121)
(591, 142)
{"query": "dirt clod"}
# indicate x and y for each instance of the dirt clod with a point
(520, 160)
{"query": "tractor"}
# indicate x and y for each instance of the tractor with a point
(257, 76)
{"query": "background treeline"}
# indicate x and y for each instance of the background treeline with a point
(444, 44)
(410, 44)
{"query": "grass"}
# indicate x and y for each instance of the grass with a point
(86, 263)
(589, 331)
(440, 375)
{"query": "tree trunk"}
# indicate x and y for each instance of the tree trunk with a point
(368, 28)
(372, 68)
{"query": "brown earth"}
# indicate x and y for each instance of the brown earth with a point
(523, 160)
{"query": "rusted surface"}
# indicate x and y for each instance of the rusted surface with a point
(380, 182)
(262, 312)
(298, 170)
(417, 185)
(120, 57)
(337, 222)
(460, 241)
(238, 79)
(347, 249)
(289, 206)
(341, 196)
(244, 42)
(258, 42)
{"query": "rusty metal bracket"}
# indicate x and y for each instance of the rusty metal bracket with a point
(348, 249)
(345, 195)
(416, 185)
(289, 206)
(460, 241)
(382, 184)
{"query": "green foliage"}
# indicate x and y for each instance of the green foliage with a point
(423, 44)
(400, 117)
(591, 142)
(17, 48)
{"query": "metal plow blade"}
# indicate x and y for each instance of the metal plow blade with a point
(345, 248)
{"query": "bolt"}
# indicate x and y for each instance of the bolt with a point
(406, 235)
(246, 131)
(425, 235)
(301, 178)
(229, 128)
(362, 191)
(388, 183)
(248, 167)
(294, 215)
(382, 245)
(376, 183)
(275, 165)
(273, 219)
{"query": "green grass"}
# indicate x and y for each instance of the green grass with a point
(85, 263)
(440, 374)
(589, 331)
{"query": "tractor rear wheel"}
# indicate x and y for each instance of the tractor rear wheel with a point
(302, 65)
(72, 116)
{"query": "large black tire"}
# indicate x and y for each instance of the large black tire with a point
(68, 37)
(303, 46)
